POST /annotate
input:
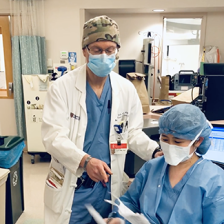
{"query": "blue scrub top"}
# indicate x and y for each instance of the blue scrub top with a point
(98, 126)
(170, 195)
(96, 144)
(201, 200)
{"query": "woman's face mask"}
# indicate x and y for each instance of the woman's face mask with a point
(101, 65)
(175, 154)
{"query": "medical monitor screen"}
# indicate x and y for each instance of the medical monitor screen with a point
(216, 150)
(185, 79)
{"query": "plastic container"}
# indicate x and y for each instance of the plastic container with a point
(11, 157)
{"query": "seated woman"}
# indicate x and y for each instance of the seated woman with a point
(181, 186)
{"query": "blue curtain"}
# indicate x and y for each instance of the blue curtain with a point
(29, 57)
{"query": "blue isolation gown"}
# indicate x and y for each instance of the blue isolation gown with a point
(96, 144)
(199, 198)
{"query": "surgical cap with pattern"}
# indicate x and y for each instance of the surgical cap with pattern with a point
(185, 121)
(100, 28)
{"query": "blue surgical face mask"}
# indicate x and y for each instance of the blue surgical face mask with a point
(101, 65)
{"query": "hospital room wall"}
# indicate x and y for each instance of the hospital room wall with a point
(4, 7)
(63, 29)
(214, 32)
(129, 25)
(68, 37)
(132, 42)
(143, 4)
(7, 117)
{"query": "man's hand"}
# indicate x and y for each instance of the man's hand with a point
(158, 154)
(98, 170)
(114, 221)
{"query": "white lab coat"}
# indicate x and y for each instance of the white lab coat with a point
(63, 136)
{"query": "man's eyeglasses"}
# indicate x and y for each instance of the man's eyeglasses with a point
(97, 50)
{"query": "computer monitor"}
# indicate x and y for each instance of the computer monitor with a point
(126, 66)
(216, 150)
(213, 68)
(214, 105)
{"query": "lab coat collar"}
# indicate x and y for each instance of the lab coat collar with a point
(114, 83)
(80, 85)
(81, 81)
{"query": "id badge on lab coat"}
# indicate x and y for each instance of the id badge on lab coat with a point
(119, 147)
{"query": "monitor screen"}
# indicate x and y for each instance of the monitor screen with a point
(213, 68)
(126, 66)
(216, 150)
(214, 105)
(184, 79)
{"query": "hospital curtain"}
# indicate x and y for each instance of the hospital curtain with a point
(28, 49)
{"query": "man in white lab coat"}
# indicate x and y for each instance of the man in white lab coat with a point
(91, 117)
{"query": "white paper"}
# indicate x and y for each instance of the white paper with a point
(57, 166)
(97, 217)
(128, 214)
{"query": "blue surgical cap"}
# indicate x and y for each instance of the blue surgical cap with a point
(185, 121)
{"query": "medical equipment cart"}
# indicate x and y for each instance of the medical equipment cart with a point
(34, 90)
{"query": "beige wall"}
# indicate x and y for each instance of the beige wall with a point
(62, 29)
(124, 4)
(4, 6)
(63, 19)
(7, 118)
(130, 25)
(214, 32)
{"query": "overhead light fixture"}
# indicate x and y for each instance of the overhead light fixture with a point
(158, 10)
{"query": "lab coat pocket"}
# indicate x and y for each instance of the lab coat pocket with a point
(54, 186)
(52, 198)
